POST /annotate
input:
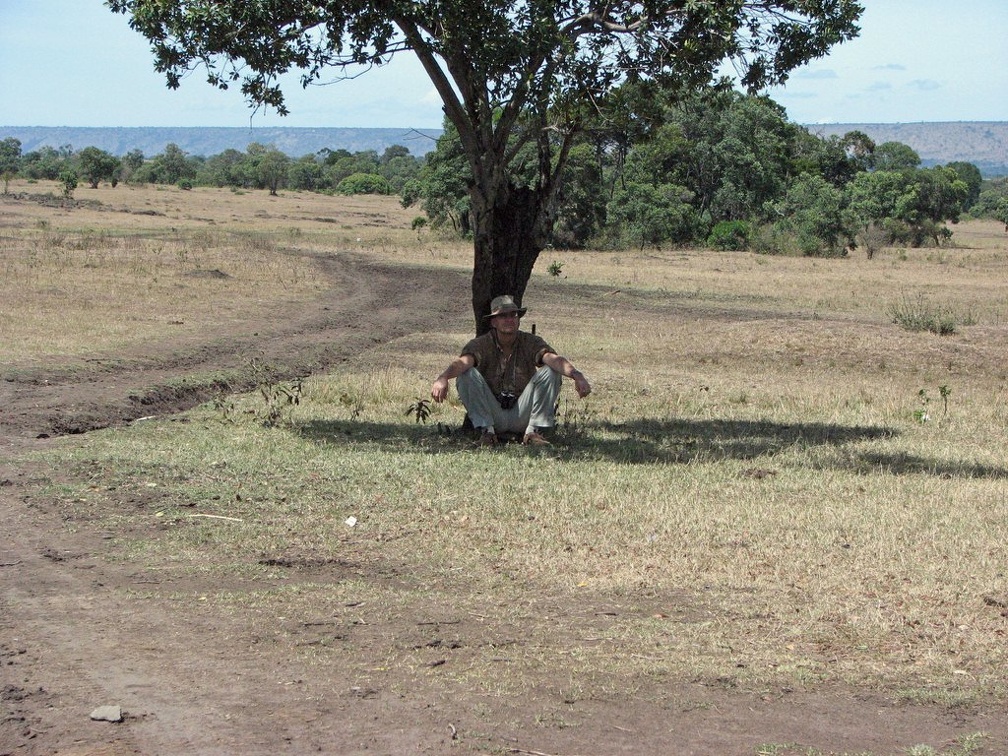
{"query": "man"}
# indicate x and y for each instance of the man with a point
(508, 379)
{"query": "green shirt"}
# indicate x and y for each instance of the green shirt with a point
(507, 374)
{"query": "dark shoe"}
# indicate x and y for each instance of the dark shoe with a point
(535, 439)
(488, 439)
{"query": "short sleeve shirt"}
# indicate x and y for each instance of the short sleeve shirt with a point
(510, 374)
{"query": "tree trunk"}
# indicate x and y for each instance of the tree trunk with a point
(508, 237)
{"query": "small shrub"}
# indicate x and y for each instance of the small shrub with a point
(767, 240)
(555, 268)
(897, 231)
(185, 184)
(813, 246)
(871, 238)
(420, 410)
(68, 179)
(919, 314)
(944, 392)
(921, 414)
(731, 236)
(280, 400)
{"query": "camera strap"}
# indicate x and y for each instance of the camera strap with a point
(508, 386)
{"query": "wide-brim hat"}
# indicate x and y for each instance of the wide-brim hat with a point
(504, 304)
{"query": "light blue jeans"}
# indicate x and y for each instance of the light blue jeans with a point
(533, 410)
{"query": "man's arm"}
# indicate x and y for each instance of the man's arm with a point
(439, 389)
(563, 366)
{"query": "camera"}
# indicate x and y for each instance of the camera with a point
(507, 400)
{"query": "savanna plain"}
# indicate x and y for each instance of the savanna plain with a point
(777, 526)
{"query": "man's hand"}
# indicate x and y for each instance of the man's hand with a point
(439, 389)
(562, 365)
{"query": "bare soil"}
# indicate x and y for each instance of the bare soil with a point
(73, 639)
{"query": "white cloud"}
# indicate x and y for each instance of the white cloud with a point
(816, 74)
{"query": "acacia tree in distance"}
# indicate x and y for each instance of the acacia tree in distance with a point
(10, 160)
(98, 165)
(511, 74)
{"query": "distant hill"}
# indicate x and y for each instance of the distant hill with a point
(204, 142)
(983, 143)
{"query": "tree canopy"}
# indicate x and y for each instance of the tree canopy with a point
(511, 74)
(97, 165)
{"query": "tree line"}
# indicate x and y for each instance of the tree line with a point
(722, 169)
(258, 167)
(714, 168)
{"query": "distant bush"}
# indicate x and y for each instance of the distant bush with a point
(364, 183)
(730, 236)
(993, 202)
(813, 213)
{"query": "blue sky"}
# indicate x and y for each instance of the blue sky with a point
(75, 63)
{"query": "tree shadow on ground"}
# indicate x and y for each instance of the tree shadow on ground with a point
(686, 440)
(901, 463)
(678, 440)
(669, 441)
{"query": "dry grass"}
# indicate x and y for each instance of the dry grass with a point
(767, 482)
(151, 262)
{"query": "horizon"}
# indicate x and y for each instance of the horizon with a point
(983, 143)
(272, 127)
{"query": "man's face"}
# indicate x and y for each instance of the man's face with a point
(506, 322)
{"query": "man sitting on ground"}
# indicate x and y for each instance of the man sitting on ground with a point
(516, 381)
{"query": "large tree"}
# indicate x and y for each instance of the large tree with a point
(97, 165)
(910, 204)
(511, 74)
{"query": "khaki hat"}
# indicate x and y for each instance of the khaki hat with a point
(505, 303)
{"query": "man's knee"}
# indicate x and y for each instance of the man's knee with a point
(548, 378)
(473, 388)
(471, 378)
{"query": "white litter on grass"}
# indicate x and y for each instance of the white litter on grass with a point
(351, 521)
(107, 714)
